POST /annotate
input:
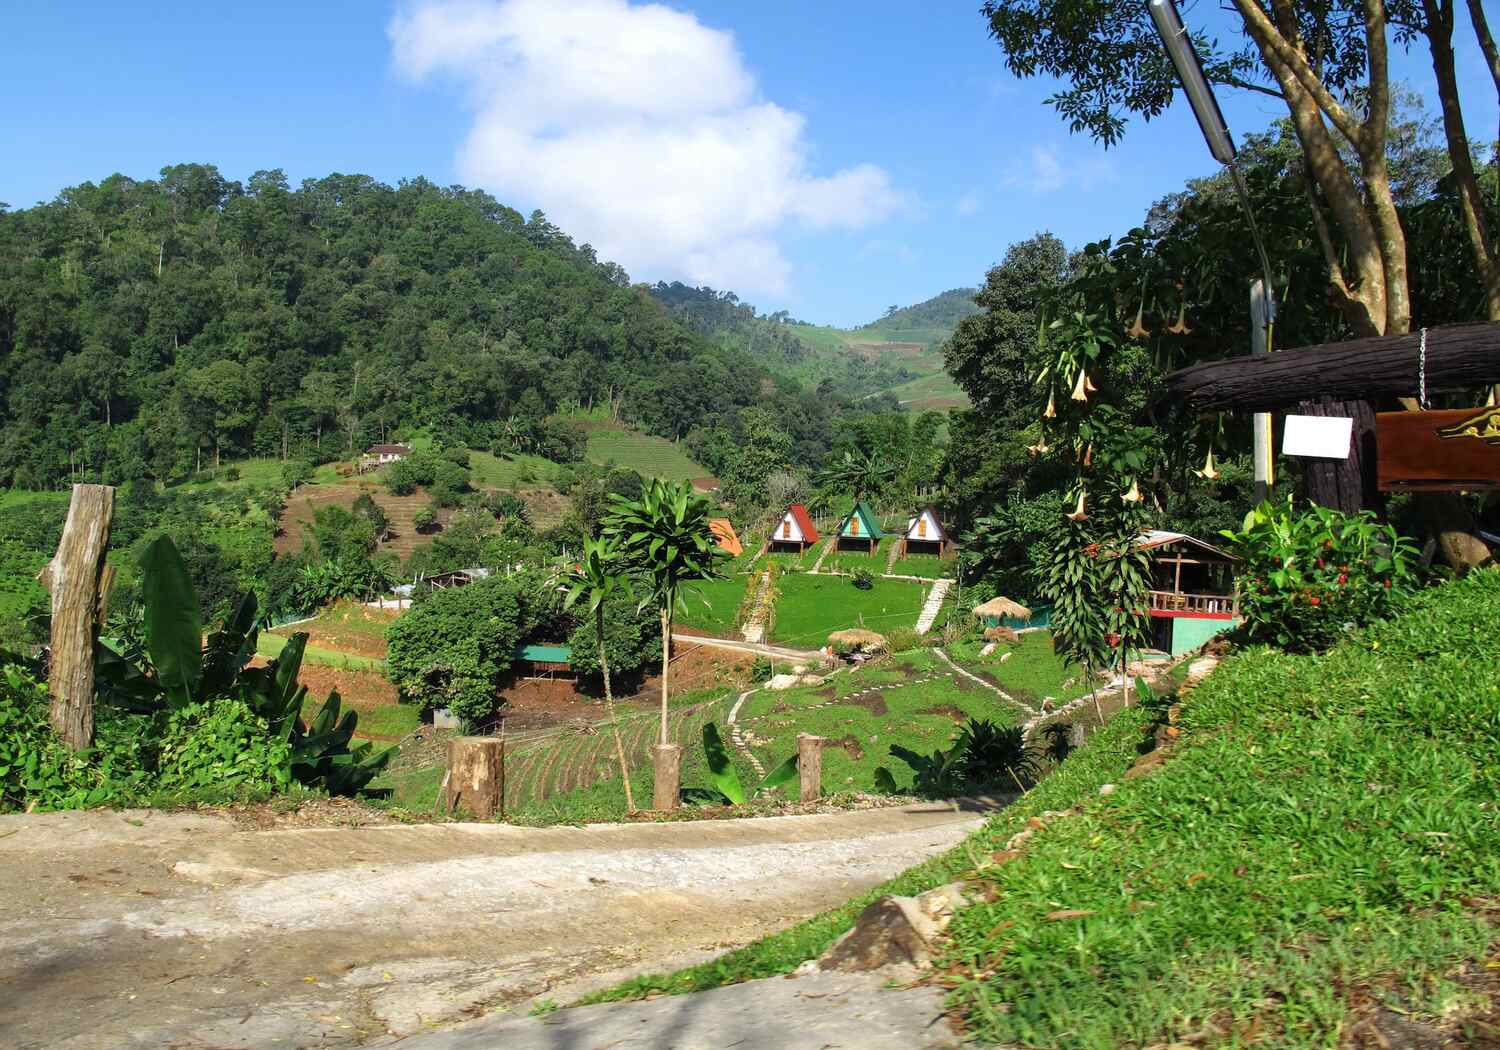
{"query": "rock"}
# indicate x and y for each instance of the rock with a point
(799, 669)
(807, 968)
(1006, 656)
(1048, 702)
(810, 679)
(989, 648)
(895, 931)
(783, 681)
(1001, 634)
(1106, 789)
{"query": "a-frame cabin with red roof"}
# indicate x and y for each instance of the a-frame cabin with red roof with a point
(794, 532)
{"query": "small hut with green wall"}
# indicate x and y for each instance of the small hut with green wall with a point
(860, 530)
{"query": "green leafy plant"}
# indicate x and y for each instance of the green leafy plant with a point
(665, 535)
(983, 754)
(179, 672)
(726, 779)
(223, 746)
(1309, 578)
(862, 578)
(940, 774)
(595, 577)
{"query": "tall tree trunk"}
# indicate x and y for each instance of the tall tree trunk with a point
(666, 660)
(609, 706)
(1439, 32)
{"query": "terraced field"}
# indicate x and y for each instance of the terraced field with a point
(305, 500)
(567, 759)
(648, 456)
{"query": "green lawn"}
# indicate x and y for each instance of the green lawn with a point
(791, 561)
(1033, 670)
(912, 699)
(928, 566)
(848, 561)
(714, 605)
(1322, 841)
(262, 472)
(648, 456)
(811, 607)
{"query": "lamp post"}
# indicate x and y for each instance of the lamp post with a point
(1200, 96)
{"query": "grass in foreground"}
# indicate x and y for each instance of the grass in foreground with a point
(1325, 832)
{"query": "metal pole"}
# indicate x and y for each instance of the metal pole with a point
(1260, 343)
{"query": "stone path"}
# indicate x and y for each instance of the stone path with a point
(827, 550)
(755, 626)
(140, 929)
(737, 738)
(931, 606)
(991, 686)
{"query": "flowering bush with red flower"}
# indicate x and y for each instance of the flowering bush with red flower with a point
(1309, 577)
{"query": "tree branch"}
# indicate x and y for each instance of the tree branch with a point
(1275, 45)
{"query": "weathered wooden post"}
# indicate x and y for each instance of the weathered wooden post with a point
(666, 776)
(76, 578)
(476, 775)
(810, 766)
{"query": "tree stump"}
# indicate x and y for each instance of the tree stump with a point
(76, 578)
(666, 785)
(810, 766)
(476, 776)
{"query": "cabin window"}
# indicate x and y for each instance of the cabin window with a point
(786, 529)
(854, 525)
(922, 528)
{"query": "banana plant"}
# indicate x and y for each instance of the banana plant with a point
(178, 669)
(726, 779)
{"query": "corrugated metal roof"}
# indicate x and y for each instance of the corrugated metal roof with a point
(545, 654)
(1153, 538)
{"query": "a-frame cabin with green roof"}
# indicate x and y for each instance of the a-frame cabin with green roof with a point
(860, 530)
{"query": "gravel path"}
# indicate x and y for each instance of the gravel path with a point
(142, 929)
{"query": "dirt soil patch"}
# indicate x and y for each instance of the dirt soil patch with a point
(361, 690)
(871, 702)
(850, 745)
(947, 711)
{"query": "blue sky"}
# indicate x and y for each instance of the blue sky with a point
(810, 161)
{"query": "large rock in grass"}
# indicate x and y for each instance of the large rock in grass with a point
(1001, 634)
(896, 931)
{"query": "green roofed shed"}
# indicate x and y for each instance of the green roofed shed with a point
(545, 654)
(860, 529)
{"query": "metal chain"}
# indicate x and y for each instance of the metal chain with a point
(1422, 372)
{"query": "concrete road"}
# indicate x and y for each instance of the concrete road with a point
(143, 929)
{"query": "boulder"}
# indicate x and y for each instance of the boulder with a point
(783, 681)
(1001, 634)
(896, 931)
(988, 649)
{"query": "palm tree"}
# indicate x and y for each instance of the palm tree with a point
(862, 472)
(666, 534)
(593, 576)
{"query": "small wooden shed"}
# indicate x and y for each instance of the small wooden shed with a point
(794, 532)
(860, 530)
(1192, 596)
(925, 535)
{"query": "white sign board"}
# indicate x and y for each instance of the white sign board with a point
(1322, 437)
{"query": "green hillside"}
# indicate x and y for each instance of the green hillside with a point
(898, 354)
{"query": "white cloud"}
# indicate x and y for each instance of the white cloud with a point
(636, 128)
(968, 204)
(1042, 169)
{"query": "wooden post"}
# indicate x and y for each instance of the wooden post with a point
(666, 783)
(810, 766)
(76, 576)
(1348, 485)
(476, 774)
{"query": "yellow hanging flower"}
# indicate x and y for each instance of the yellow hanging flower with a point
(1208, 470)
(1051, 412)
(1138, 330)
(1080, 513)
(1040, 448)
(1180, 328)
(1134, 495)
(1080, 388)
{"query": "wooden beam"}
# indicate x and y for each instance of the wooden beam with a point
(1459, 357)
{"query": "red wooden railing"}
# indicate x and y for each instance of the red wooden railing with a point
(1206, 604)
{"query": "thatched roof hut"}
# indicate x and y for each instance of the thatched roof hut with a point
(858, 638)
(1002, 609)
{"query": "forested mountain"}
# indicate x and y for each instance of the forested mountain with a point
(150, 325)
(941, 313)
(853, 362)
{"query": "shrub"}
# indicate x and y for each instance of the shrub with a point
(453, 648)
(904, 639)
(424, 518)
(295, 471)
(221, 746)
(1310, 578)
(863, 578)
